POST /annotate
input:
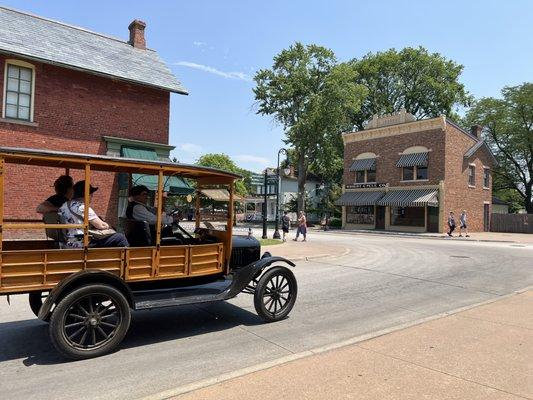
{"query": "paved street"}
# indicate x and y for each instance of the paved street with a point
(382, 282)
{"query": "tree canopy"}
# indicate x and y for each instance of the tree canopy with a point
(425, 84)
(311, 96)
(508, 129)
(224, 162)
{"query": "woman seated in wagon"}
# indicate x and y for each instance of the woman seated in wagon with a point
(72, 212)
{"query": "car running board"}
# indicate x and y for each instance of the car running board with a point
(213, 291)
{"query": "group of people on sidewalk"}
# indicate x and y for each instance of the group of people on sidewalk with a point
(462, 227)
(302, 226)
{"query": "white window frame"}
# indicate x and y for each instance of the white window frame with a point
(23, 64)
(470, 166)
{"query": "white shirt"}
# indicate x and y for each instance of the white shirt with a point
(142, 212)
(71, 212)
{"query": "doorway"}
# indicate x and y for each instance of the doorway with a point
(380, 217)
(486, 217)
(432, 219)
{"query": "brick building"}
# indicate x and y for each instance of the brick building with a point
(407, 175)
(66, 88)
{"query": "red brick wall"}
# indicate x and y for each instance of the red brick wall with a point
(388, 148)
(458, 195)
(73, 110)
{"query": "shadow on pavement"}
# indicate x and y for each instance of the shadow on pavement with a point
(29, 339)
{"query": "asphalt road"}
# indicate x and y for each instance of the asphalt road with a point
(381, 283)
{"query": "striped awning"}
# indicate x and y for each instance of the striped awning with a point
(412, 160)
(364, 164)
(359, 198)
(410, 198)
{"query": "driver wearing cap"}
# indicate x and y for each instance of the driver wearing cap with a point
(138, 209)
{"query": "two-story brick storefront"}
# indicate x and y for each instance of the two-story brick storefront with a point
(407, 175)
(68, 89)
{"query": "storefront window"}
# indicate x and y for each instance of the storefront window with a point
(407, 216)
(408, 173)
(363, 215)
(421, 172)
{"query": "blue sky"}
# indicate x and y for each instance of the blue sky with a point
(214, 47)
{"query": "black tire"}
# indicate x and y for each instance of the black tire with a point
(36, 301)
(275, 294)
(90, 321)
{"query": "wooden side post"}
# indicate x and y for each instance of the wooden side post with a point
(229, 226)
(197, 206)
(155, 263)
(86, 205)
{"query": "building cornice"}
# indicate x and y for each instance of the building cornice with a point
(393, 130)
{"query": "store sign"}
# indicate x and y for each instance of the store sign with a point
(366, 185)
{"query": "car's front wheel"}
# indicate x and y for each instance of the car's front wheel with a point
(90, 321)
(275, 294)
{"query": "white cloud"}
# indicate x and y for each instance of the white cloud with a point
(228, 75)
(190, 148)
(252, 159)
(199, 44)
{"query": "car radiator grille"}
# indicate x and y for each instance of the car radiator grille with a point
(241, 257)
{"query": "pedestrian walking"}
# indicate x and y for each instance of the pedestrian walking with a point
(285, 224)
(302, 227)
(462, 226)
(451, 224)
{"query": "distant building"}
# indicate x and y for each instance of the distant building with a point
(407, 175)
(288, 192)
(499, 206)
(69, 89)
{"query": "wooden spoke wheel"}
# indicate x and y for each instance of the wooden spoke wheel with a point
(90, 321)
(275, 294)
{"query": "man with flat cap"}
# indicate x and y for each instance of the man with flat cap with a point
(138, 210)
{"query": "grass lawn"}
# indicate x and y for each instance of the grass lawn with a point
(269, 242)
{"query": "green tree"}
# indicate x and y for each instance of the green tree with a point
(425, 84)
(508, 129)
(224, 162)
(311, 97)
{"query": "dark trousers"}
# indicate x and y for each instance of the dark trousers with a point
(115, 240)
(452, 228)
(301, 229)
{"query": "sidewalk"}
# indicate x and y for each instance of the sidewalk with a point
(475, 236)
(485, 352)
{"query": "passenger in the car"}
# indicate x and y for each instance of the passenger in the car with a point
(63, 187)
(138, 210)
(72, 212)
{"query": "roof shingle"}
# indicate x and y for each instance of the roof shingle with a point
(57, 43)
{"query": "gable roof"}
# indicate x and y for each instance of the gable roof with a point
(68, 46)
(481, 144)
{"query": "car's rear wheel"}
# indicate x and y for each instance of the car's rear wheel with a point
(90, 321)
(275, 294)
(36, 301)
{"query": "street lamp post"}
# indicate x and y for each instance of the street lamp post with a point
(265, 206)
(278, 190)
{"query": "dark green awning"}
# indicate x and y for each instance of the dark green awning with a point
(172, 184)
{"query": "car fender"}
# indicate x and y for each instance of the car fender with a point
(243, 276)
(79, 279)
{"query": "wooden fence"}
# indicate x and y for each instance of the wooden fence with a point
(513, 223)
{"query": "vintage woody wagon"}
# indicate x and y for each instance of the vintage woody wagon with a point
(89, 293)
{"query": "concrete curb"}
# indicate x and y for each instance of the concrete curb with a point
(180, 390)
(416, 236)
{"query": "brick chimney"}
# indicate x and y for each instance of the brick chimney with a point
(475, 130)
(137, 34)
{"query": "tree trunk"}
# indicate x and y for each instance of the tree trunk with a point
(528, 202)
(302, 177)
